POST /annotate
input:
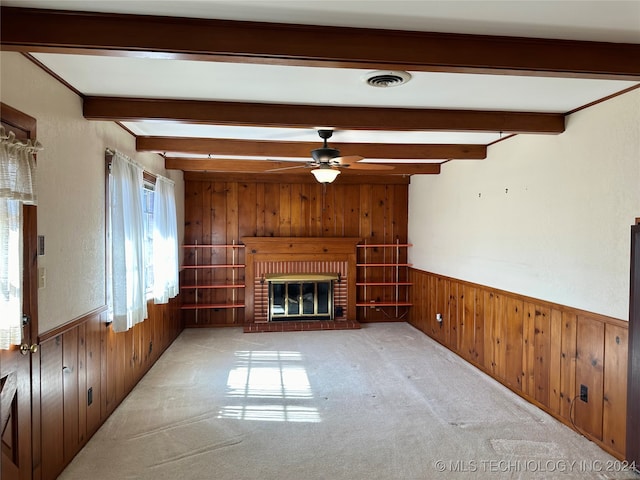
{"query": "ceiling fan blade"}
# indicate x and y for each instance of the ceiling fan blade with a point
(368, 166)
(281, 169)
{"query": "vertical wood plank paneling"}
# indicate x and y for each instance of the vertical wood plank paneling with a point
(193, 211)
(284, 213)
(555, 352)
(94, 355)
(401, 213)
(378, 198)
(305, 210)
(499, 333)
(452, 315)
(70, 393)
(542, 353)
(297, 219)
(419, 316)
(261, 209)
(328, 206)
(589, 372)
(123, 368)
(478, 340)
(512, 334)
(247, 210)
(87, 356)
(206, 220)
(272, 209)
(351, 212)
(568, 364)
(340, 210)
(536, 352)
(438, 294)
(231, 215)
(52, 407)
(614, 415)
(375, 212)
(365, 214)
(82, 383)
(388, 214)
(489, 331)
(318, 201)
(218, 206)
(109, 374)
(528, 350)
(467, 322)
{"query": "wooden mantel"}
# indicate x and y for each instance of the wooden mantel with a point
(342, 249)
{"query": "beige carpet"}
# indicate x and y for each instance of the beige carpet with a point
(384, 402)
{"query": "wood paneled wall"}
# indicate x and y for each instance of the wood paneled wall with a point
(540, 350)
(221, 209)
(87, 355)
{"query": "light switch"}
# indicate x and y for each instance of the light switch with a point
(42, 277)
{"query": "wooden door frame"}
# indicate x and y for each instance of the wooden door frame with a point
(633, 366)
(13, 117)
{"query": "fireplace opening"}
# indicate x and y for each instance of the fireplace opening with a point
(301, 297)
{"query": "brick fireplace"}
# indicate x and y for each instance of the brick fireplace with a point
(267, 258)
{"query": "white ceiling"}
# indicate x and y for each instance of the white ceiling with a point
(610, 21)
(182, 79)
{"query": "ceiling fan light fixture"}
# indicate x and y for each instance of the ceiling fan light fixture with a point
(325, 174)
(325, 154)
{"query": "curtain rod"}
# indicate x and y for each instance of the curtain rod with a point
(109, 152)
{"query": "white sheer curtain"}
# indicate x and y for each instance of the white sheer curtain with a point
(165, 242)
(17, 187)
(127, 293)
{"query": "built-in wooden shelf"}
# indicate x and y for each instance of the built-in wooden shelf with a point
(198, 283)
(225, 285)
(235, 245)
(215, 266)
(385, 304)
(374, 276)
(385, 264)
(200, 306)
(383, 245)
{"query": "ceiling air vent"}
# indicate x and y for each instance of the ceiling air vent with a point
(386, 78)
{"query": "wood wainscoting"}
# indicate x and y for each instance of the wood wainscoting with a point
(87, 370)
(542, 351)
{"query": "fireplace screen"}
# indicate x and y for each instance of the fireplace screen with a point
(300, 298)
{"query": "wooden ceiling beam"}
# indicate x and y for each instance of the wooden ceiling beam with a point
(32, 30)
(258, 148)
(263, 166)
(295, 178)
(310, 116)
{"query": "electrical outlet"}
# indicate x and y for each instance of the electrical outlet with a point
(584, 393)
(439, 317)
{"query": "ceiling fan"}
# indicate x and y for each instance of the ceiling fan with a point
(327, 161)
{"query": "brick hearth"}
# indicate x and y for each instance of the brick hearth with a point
(301, 326)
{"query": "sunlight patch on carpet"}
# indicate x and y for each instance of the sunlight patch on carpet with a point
(260, 378)
(525, 448)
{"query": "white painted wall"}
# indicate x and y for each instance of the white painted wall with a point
(543, 216)
(71, 188)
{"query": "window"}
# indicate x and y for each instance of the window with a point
(147, 205)
(142, 246)
(17, 174)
